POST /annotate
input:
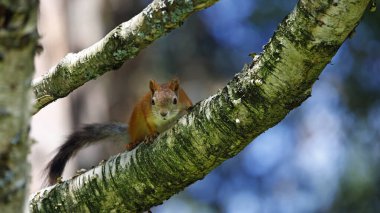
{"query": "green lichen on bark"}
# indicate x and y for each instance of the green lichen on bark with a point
(216, 129)
(18, 42)
(121, 44)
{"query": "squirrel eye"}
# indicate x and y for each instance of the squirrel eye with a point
(153, 103)
(175, 101)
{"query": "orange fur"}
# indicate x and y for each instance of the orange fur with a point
(144, 123)
(153, 114)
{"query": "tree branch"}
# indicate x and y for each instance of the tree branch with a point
(122, 43)
(218, 128)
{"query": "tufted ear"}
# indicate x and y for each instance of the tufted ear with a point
(153, 86)
(174, 85)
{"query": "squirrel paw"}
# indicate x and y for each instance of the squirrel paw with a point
(147, 140)
(150, 138)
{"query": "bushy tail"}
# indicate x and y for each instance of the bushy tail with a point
(88, 135)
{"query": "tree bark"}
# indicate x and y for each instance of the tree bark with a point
(122, 43)
(18, 41)
(218, 128)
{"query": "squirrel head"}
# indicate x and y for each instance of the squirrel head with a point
(165, 103)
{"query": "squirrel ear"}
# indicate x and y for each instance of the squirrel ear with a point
(174, 84)
(152, 85)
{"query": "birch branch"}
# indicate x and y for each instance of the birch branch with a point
(218, 128)
(122, 43)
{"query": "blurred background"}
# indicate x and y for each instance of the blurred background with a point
(324, 157)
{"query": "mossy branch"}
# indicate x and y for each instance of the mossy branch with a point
(122, 43)
(218, 128)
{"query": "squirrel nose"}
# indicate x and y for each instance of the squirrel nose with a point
(163, 114)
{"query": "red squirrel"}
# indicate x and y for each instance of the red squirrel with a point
(156, 111)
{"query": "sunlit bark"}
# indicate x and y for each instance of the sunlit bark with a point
(257, 98)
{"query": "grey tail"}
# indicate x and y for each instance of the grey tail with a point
(89, 134)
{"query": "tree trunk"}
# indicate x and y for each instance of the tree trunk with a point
(218, 128)
(18, 41)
